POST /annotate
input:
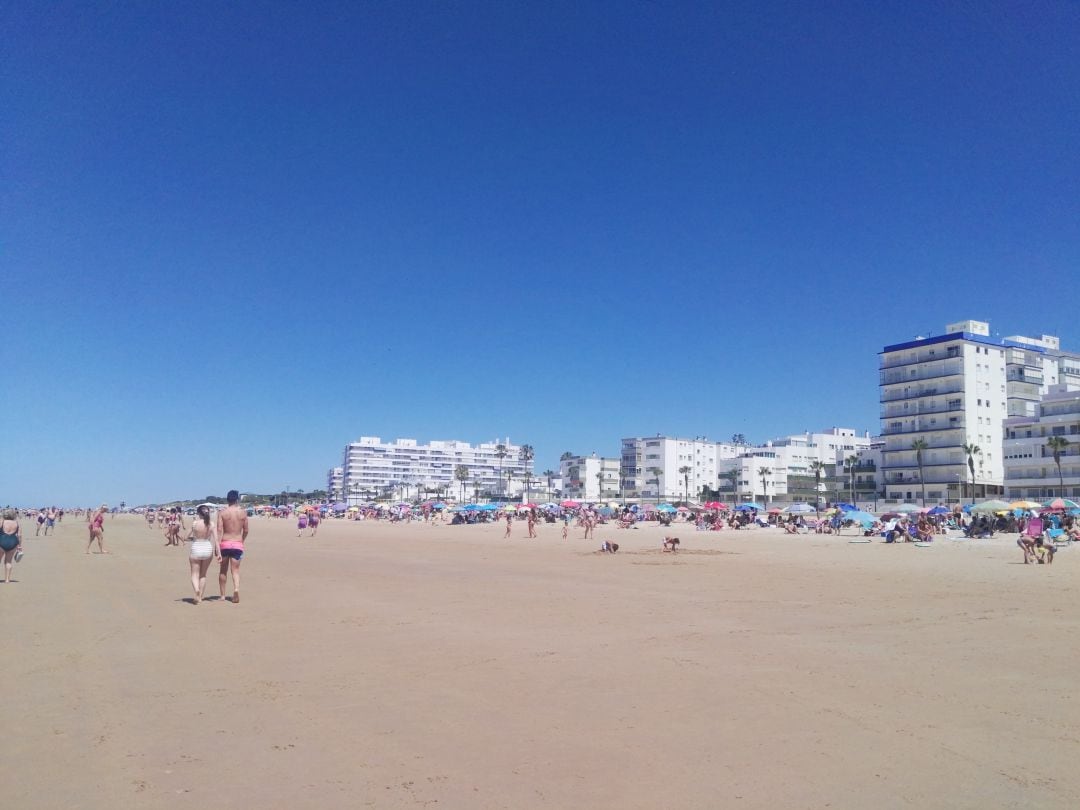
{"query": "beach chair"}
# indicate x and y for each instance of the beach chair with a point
(1033, 529)
(1058, 537)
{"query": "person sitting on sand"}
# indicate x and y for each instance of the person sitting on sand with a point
(671, 543)
(608, 547)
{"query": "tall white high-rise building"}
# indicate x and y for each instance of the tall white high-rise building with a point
(943, 393)
(373, 468)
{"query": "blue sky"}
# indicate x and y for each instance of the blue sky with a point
(236, 237)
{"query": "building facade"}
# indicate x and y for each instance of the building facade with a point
(669, 468)
(335, 484)
(1030, 470)
(944, 399)
(781, 471)
(372, 468)
(589, 478)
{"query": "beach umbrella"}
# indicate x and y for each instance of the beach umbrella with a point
(568, 504)
(682, 509)
(857, 515)
(906, 508)
(800, 509)
(891, 516)
(1025, 505)
(939, 510)
(648, 507)
(606, 511)
(775, 510)
(1060, 504)
(470, 507)
(847, 507)
(990, 507)
(666, 507)
(750, 506)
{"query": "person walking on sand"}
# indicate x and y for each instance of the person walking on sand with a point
(10, 541)
(204, 545)
(313, 522)
(532, 523)
(301, 523)
(509, 517)
(232, 529)
(97, 529)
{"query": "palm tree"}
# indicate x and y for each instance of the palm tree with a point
(500, 453)
(526, 455)
(1056, 445)
(461, 473)
(733, 477)
(600, 476)
(764, 473)
(852, 460)
(918, 446)
(566, 455)
(657, 472)
(549, 474)
(685, 473)
(818, 469)
(971, 450)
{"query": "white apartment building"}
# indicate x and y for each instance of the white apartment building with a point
(335, 479)
(781, 470)
(669, 468)
(1030, 471)
(953, 390)
(372, 468)
(590, 478)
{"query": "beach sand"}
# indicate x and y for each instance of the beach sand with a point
(400, 666)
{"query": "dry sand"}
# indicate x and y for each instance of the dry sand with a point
(401, 666)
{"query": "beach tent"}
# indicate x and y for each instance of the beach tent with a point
(847, 507)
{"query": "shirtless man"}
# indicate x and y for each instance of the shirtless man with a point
(232, 528)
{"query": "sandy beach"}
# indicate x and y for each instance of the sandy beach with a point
(399, 666)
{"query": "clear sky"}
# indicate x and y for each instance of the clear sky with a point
(237, 236)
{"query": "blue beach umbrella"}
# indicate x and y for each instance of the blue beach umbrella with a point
(847, 507)
(865, 518)
(938, 510)
(747, 507)
(666, 507)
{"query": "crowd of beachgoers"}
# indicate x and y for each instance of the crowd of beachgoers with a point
(1042, 528)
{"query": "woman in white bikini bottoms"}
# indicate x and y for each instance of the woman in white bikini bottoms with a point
(204, 547)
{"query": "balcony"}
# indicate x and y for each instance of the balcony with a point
(922, 427)
(949, 353)
(933, 370)
(921, 392)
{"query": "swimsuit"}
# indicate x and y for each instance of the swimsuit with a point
(8, 542)
(201, 549)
